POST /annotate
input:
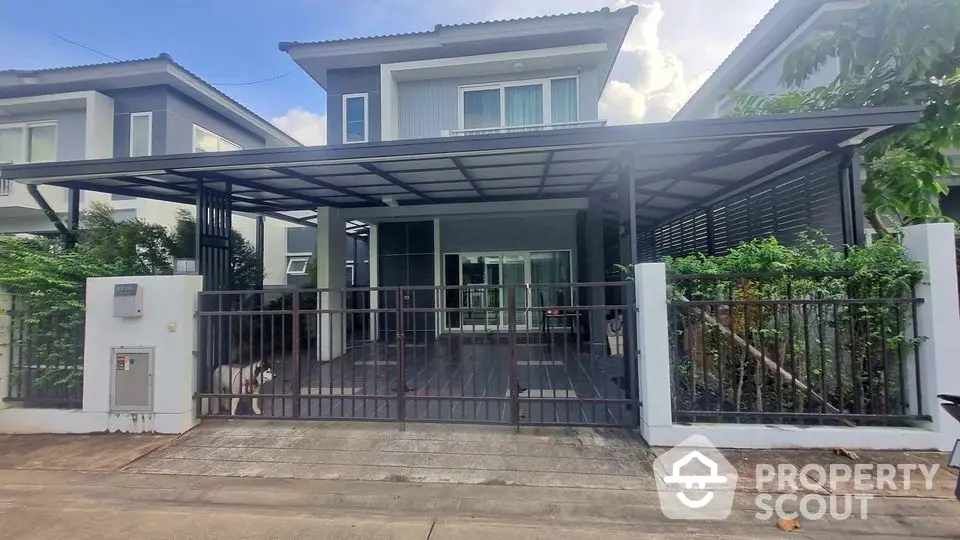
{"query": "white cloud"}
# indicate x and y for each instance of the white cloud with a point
(307, 127)
(647, 83)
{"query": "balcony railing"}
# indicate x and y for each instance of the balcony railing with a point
(524, 129)
(5, 187)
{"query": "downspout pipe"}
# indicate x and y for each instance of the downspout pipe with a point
(65, 234)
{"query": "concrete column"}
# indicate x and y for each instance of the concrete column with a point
(594, 270)
(331, 279)
(938, 319)
(653, 345)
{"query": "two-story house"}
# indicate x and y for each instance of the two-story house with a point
(526, 75)
(123, 109)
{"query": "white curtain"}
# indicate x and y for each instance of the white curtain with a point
(524, 105)
(563, 100)
(481, 109)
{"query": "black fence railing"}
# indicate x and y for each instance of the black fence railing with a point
(817, 348)
(45, 354)
(506, 354)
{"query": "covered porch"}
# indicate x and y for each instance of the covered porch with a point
(489, 251)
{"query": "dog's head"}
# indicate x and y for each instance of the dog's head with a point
(262, 372)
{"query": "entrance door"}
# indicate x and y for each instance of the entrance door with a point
(515, 271)
(488, 277)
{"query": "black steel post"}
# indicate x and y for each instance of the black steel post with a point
(627, 196)
(845, 202)
(260, 250)
(855, 175)
(73, 218)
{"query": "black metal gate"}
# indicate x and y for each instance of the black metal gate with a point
(474, 354)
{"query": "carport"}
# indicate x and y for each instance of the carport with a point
(639, 191)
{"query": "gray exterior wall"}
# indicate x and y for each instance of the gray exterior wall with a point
(183, 113)
(137, 100)
(427, 108)
(71, 130)
(521, 233)
(173, 118)
(365, 80)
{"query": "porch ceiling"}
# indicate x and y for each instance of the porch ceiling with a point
(677, 165)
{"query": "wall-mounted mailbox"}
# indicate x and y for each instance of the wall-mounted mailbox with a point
(127, 300)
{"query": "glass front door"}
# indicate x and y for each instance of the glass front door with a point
(492, 275)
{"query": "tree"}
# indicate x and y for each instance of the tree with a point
(132, 246)
(244, 264)
(890, 52)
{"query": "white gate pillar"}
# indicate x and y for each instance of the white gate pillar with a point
(938, 320)
(653, 347)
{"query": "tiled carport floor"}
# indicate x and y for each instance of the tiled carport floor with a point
(450, 380)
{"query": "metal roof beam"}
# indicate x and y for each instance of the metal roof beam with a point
(220, 177)
(325, 185)
(399, 183)
(468, 177)
(546, 171)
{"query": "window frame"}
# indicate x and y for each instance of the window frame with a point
(305, 259)
(366, 117)
(220, 139)
(25, 128)
(350, 275)
(149, 117)
(546, 91)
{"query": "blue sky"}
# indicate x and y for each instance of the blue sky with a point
(235, 41)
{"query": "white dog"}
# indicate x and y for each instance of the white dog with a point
(248, 379)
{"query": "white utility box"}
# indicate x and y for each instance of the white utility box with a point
(131, 382)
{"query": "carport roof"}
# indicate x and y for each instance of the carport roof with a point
(677, 165)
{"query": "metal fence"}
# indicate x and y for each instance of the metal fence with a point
(46, 357)
(504, 354)
(818, 348)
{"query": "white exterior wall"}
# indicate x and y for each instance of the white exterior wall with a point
(167, 325)
(274, 246)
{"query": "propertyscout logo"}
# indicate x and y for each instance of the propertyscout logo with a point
(695, 482)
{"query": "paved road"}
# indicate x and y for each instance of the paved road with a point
(106, 506)
(238, 480)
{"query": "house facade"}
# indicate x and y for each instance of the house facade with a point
(124, 109)
(525, 76)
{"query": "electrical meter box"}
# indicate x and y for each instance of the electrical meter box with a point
(131, 383)
(127, 300)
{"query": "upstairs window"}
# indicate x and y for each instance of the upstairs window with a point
(519, 103)
(28, 143)
(141, 134)
(205, 140)
(355, 118)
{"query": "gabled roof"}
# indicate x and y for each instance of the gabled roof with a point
(161, 70)
(464, 39)
(775, 27)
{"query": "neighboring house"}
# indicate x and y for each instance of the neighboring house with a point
(133, 108)
(514, 76)
(756, 65)
(302, 245)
